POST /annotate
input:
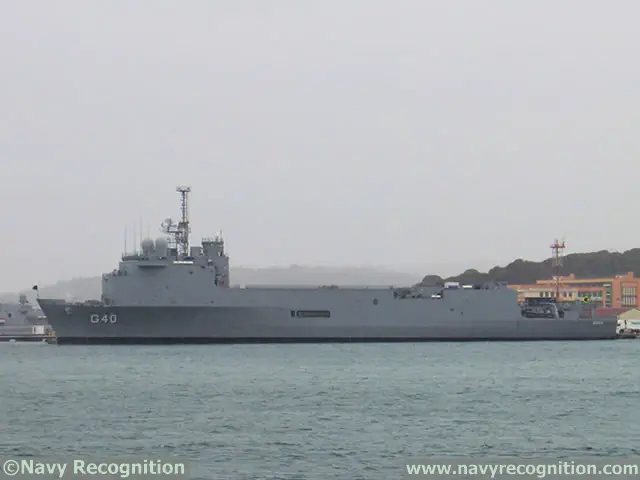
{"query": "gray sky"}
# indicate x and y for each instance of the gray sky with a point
(423, 135)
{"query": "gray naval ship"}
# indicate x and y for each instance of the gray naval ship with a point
(22, 322)
(171, 292)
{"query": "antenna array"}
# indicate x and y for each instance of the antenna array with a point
(180, 231)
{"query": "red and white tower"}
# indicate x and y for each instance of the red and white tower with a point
(557, 260)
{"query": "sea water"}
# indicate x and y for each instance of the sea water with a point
(332, 411)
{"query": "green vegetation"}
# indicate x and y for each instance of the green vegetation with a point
(583, 265)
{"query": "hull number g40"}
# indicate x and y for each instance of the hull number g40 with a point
(106, 318)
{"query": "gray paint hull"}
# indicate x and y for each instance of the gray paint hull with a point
(18, 321)
(209, 324)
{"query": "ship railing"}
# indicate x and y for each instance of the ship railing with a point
(79, 303)
(316, 287)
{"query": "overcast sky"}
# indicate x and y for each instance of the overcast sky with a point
(417, 134)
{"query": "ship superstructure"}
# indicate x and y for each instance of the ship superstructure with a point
(21, 320)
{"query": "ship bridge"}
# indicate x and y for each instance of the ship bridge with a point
(169, 267)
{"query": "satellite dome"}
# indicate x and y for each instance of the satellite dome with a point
(161, 242)
(147, 245)
(161, 246)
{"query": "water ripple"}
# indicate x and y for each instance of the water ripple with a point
(321, 411)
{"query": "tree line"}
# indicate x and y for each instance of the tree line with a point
(583, 265)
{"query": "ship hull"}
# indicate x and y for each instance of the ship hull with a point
(99, 324)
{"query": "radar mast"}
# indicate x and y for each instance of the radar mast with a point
(180, 231)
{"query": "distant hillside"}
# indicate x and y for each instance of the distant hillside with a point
(87, 288)
(595, 264)
(586, 265)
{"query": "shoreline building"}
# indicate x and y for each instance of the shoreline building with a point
(617, 292)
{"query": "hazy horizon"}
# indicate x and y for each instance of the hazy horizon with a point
(311, 275)
(421, 135)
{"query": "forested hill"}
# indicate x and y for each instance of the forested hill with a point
(586, 265)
